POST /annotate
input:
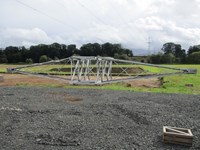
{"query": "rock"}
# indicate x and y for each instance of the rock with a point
(189, 85)
(128, 85)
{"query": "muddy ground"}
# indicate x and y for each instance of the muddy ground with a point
(36, 118)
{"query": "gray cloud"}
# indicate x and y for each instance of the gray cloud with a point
(129, 22)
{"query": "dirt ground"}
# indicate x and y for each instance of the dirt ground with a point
(19, 79)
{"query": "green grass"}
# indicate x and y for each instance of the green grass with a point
(173, 84)
(4, 66)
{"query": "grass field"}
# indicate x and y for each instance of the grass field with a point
(172, 84)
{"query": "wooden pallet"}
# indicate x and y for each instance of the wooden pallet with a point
(177, 135)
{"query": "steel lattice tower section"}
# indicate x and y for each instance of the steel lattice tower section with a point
(91, 70)
(84, 72)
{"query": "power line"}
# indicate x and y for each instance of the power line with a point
(122, 19)
(117, 12)
(89, 11)
(43, 13)
(59, 3)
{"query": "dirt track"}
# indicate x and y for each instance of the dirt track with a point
(56, 118)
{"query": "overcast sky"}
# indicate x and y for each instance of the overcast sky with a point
(130, 22)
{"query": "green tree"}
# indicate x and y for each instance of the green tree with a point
(192, 49)
(71, 50)
(168, 58)
(54, 50)
(107, 49)
(43, 58)
(156, 58)
(63, 51)
(176, 50)
(117, 48)
(3, 58)
(13, 54)
(97, 49)
(87, 49)
(35, 53)
(128, 52)
(194, 58)
(91, 49)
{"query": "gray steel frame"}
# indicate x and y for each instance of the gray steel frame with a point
(82, 70)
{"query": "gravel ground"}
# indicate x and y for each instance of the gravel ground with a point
(55, 118)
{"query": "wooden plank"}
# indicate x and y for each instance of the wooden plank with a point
(185, 132)
(178, 135)
(180, 143)
(181, 129)
(177, 139)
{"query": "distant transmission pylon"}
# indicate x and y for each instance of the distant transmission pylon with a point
(149, 43)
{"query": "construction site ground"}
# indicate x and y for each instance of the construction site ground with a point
(36, 118)
(19, 79)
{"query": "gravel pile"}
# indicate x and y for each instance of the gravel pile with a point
(54, 118)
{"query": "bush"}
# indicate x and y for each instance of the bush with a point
(168, 58)
(43, 58)
(162, 58)
(29, 61)
(122, 56)
(156, 58)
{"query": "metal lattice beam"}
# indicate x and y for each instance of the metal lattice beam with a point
(98, 70)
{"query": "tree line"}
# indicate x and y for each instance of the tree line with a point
(170, 53)
(173, 53)
(42, 52)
